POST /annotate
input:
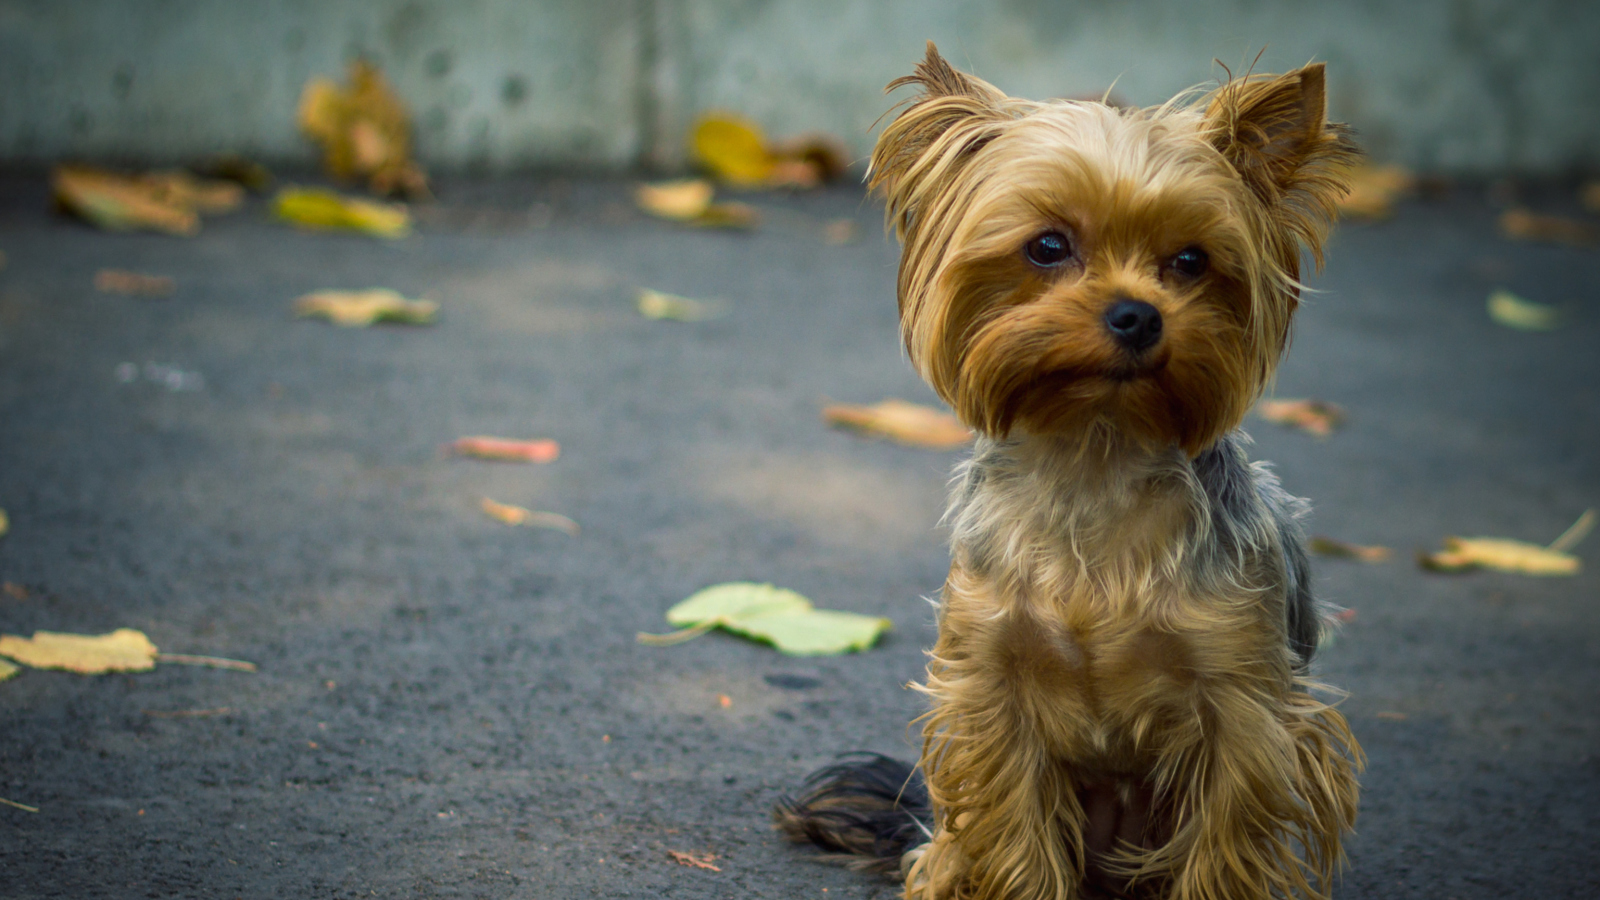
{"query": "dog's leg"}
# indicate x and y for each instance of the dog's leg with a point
(1008, 822)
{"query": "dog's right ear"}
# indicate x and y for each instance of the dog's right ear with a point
(925, 148)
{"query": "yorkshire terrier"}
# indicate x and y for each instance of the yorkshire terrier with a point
(1120, 699)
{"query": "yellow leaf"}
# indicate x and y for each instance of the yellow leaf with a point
(1514, 312)
(121, 202)
(908, 423)
(5, 524)
(8, 670)
(123, 650)
(1373, 190)
(1317, 417)
(364, 130)
(1512, 556)
(680, 201)
(357, 309)
(732, 149)
(774, 615)
(661, 305)
(326, 210)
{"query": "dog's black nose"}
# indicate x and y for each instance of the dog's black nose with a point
(1134, 323)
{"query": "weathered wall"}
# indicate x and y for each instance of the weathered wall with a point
(1445, 85)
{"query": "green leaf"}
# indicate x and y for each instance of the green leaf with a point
(773, 615)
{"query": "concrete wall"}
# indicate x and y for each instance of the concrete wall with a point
(1464, 86)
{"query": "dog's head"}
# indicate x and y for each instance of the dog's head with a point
(1070, 266)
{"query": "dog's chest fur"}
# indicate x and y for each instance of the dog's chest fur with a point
(1110, 584)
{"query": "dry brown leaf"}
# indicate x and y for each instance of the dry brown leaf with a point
(1527, 226)
(121, 202)
(356, 309)
(123, 650)
(517, 515)
(364, 130)
(1327, 546)
(824, 157)
(121, 281)
(1373, 190)
(1318, 417)
(11, 588)
(482, 446)
(1505, 555)
(908, 423)
(698, 860)
(205, 195)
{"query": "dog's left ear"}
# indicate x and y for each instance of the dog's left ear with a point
(1275, 132)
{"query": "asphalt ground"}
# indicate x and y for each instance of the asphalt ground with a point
(450, 707)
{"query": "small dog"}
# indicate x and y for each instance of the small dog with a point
(1120, 703)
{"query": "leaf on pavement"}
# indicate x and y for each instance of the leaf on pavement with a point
(661, 305)
(689, 200)
(482, 446)
(326, 210)
(732, 148)
(773, 615)
(357, 309)
(1514, 312)
(517, 515)
(1507, 555)
(1523, 225)
(121, 281)
(697, 860)
(907, 423)
(1327, 546)
(1590, 196)
(1318, 417)
(1373, 190)
(8, 669)
(121, 202)
(5, 525)
(364, 130)
(123, 650)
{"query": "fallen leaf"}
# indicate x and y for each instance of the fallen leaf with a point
(11, 588)
(328, 210)
(1373, 190)
(690, 201)
(26, 808)
(356, 309)
(1590, 196)
(120, 281)
(244, 172)
(8, 669)
(724, 701)
(1527, 226)
(810, 159)
(205, 195)
(1507, 555)
(1514, 312)
(121, 202)
(5, 525)
(1327, 546)
(1318, 417)
(214, 662)
(773, 615)
(517, 515)
(661, 305)
(732, 148)
(364, 130)
(123, 650)
(678, 200)
(698, 860)
(533, 450)
(908, 423)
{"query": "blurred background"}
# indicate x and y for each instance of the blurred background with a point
(1457, 87)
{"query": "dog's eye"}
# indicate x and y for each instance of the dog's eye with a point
(1191, 262)
(1049, 249)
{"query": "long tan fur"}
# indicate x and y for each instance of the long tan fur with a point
(1115, 704)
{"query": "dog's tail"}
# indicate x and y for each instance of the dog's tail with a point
(866, 810)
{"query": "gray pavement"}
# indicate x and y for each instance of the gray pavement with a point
(450, 707)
